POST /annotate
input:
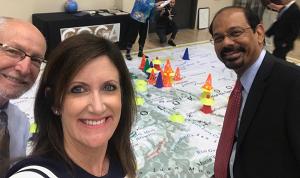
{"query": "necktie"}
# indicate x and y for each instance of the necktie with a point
(4, 143)
(227, 135)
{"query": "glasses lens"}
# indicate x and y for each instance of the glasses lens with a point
(218, 38)
(14, 53)
(37, 61)
(235, 33)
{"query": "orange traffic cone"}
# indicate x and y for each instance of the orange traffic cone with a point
(177, 76)
(151, 79)
(143, 62)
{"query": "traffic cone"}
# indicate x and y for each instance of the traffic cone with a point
(143, 62)
(167, 81)
(177, 76)
(186, 54)
(151, 79)
(159, 81)
(147, 66)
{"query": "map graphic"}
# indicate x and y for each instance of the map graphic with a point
(168, 149)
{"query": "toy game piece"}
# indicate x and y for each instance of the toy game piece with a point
(143, 62)
(152, 78)
(159, 81)
(177, 76)
(205, 97)
(140, 85)
(208, 84)
(178, 118)
(206, 109)
(151, 64)
(167, 80)
(147, 66)
(186, 54)
(168, 67)
(156, 63)
(139, 101)
(150, 70)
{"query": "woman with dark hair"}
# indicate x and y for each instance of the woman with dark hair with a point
(84, 110)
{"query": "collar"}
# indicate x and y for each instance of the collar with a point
(288, 5)
(248, 76)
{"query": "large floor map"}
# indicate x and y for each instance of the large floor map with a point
(167, 149)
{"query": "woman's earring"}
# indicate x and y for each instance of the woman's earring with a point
(56, 111)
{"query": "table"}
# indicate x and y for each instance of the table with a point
(51, 23)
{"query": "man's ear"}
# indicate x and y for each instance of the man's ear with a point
(260, 32)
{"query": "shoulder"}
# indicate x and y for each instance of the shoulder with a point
(281, 69)
(28, 167)
(16, 116)
(293, 10)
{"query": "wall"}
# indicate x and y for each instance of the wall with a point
(24, 8)
(126, 5)
(214, 6)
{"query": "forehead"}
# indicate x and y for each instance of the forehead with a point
(229, 18)
(23, 35)
(91, 68)
(14, 27)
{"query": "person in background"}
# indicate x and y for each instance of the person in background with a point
(83, 115)
(260, 135)
(22, 50)
(165, 24)
(139, 23)
(286, 28)
(257, 6)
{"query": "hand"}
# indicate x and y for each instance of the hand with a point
(157, 5)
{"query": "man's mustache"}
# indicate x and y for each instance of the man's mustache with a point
(231, 49)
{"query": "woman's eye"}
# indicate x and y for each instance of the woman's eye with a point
(110, 87)
(77, 89)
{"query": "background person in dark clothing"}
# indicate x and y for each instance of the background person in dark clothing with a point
(165, 24)
(286, 28)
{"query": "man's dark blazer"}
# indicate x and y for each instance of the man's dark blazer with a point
(268, 143)
(286, 28)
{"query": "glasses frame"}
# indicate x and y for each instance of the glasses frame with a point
(230, 36)
(20, 55)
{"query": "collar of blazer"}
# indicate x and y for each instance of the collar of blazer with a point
(255, 95)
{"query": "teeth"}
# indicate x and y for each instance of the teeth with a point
(93, 122)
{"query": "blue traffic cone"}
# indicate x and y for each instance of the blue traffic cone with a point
(186, 54)
(159, 81)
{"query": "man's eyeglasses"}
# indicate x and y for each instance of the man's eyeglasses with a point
(19, 55)
(233, 34)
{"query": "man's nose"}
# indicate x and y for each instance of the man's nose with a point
(24, 65)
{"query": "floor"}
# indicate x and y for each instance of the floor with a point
(190, 35)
